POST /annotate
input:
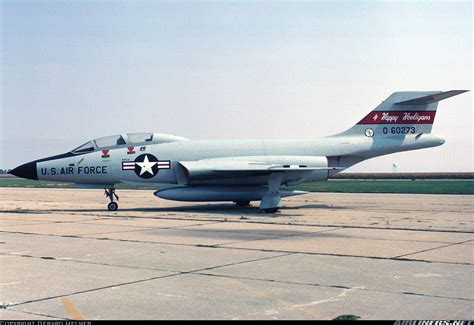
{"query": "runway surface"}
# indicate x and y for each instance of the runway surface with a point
(374, 256)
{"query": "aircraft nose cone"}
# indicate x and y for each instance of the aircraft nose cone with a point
(27, 170)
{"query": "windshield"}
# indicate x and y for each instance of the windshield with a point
(86, 147)
(110, 141)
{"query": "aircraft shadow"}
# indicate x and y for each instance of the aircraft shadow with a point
(216, 209)
(315, 206)
(251, 234)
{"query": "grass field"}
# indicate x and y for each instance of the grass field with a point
(391, 186)
(344, 186)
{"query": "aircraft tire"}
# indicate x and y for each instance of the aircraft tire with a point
(113, 206)
(242, 203)
(270, 210)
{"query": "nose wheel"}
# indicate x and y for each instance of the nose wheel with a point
(110, 193)
(112, 206)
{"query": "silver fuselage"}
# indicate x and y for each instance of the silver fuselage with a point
(97, 169)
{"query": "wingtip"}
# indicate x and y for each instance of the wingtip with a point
(460, 91)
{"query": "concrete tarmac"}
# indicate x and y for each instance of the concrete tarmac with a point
(374, 256)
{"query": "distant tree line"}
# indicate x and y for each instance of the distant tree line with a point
(436, 175)
(4, 171)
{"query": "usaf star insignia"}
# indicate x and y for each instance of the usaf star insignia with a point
(146, 165)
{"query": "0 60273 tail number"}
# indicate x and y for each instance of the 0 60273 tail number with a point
(399, 130)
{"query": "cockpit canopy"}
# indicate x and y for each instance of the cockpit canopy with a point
(123, 140)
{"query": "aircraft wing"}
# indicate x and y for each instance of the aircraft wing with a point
(238, 167)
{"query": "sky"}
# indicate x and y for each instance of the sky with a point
(76, 70)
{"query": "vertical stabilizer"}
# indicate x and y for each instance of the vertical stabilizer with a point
(402, 113)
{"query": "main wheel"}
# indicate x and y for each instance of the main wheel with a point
(242, 203)
(113, 206)
(271, 210)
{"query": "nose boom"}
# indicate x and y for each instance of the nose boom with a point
(27, 170)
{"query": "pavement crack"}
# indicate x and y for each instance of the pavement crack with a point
(221, 246)
(137, 281)
(346, 288)
(92, 290)
(36, 314)
(240, 263)
(431, 249)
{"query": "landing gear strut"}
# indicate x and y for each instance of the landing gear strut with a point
(110, 193)
(271, 201)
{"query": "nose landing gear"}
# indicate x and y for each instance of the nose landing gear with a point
(110, 193)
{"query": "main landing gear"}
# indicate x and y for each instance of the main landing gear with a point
(271, 201)
(110, 193)
(271, 210)
(242, 203)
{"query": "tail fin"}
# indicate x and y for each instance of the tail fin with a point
(407, 112)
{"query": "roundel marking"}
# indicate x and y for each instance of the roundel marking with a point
(369, 132)
(146, 165)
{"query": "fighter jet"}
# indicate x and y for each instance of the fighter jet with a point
(241, 171)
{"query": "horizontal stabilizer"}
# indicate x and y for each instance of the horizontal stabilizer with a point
(425, 100)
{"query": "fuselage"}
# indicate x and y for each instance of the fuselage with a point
(242, 170)
(107, 166)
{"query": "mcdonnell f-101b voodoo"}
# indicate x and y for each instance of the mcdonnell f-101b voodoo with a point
(241, 170)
